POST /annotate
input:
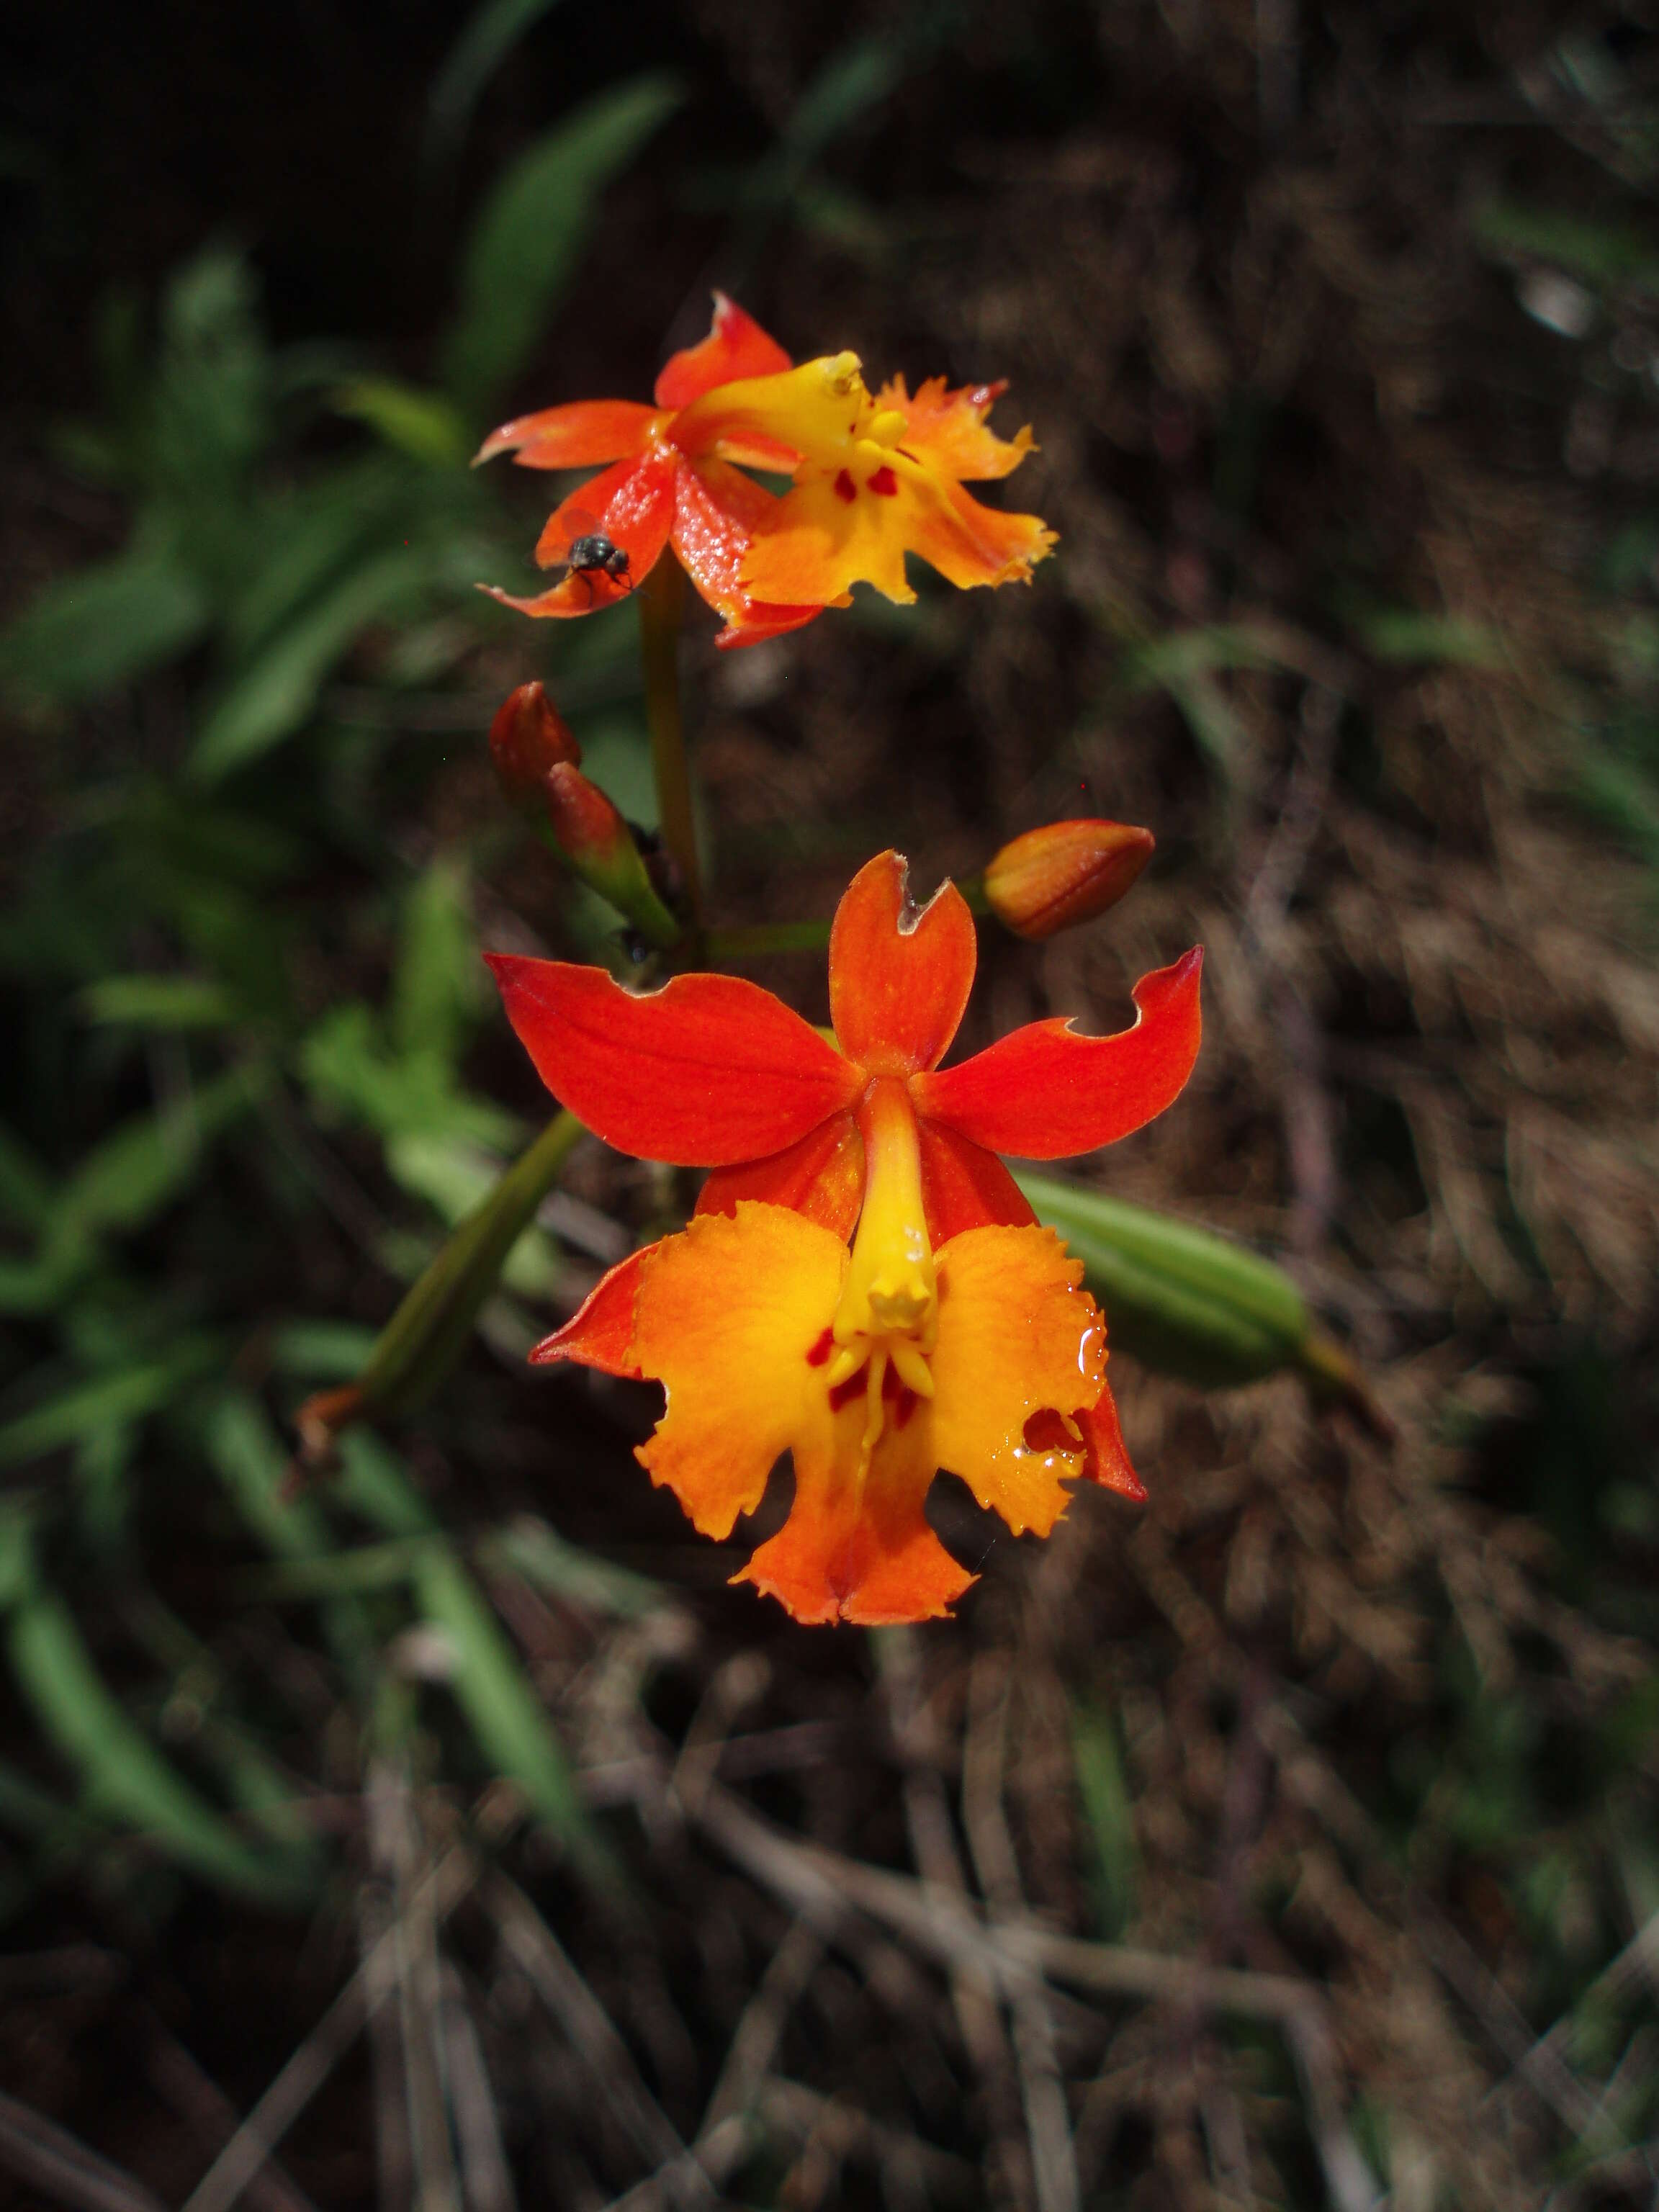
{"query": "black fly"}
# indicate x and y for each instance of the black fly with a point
(593, 554)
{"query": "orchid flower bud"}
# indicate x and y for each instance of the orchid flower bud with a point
(536, 760)
(1064, 873)
(529, 737)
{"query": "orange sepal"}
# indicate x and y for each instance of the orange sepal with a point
(736, 346)
(707, 1071)
(1017, 1337)
(821, 1177)
(965, 1187)
(947, 427)
(898, 979)
(1107, 1460)
(1043, 1092)
(600, 1333)
(631, 503)
(727, 1315)
(584, 433)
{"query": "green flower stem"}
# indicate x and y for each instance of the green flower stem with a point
(766, 937)
(661, 597)
(423, 1339)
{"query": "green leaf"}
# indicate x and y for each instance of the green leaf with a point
(438, 991)
(1408, 634)
(149, 1162)
(87, 1409)
(1110, 1810)
(158, 1002)
(422, 1340)
(534, 227)
(102, 626)
(277, 695)
(423, 426)
(507, 1718)
(491, 35)
(125, 1777)
(1603, 253)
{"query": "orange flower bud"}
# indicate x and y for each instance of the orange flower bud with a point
(528, 737)
(587, 826)
(1066, 872)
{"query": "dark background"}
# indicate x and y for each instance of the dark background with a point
(1339, 331)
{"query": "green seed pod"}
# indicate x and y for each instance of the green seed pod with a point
(1187, 1302)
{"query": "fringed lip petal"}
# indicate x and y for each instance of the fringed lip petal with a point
(899, 978)
(948, 428)
(726, 1317)
(964, 1186)
(821, 1177)
(1044, 1093)
(1017, 1338)
(736, 347)
(860, 1553)
(583, 434)
(706, 1072)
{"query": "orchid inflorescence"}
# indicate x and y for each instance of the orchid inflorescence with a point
(862, 1285)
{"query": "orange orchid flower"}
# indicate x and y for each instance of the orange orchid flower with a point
(874, 478)
(862, 1285)
(650, 494)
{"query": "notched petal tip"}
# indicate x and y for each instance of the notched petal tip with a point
(899, 975)
(1045, 1092)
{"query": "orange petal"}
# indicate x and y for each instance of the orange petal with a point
(707, 1071)
(1017, 1337)
(717, 510)
(736, 347)
(860, 1550)
(965, 1187)
(727, 1315)
(1043, 1092)
(947, 429)
(631, 503)
(581, 435)
(822, 1176)
(898, 979)
(601, 1332)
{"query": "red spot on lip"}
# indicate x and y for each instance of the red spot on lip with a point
(884, 482)
(845, 487)
(821, 1350)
